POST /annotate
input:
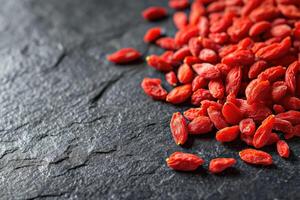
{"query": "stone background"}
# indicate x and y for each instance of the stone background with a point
(73, 126)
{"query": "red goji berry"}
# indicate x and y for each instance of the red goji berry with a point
(195, 46)
(292, 116)
(208, 55)
(232, 113)
(154, 13)
(216, 117)
(179, 4)
(263, 132)
(207, 71)
(257, 68)
(185, 74)
(193, 113)
(198, 82)
(200, 125)
(233, 81)
(179, 128)
(191, 60)
(273, 139)
(197, 10)
(240, 57)
(256, 91)
(259, 28)
(153, 88)
(279, 90)
(218, 165)
(159, 63)
(167, 43)
(216, 88)
(228, 134)
(247, 127)
(290, 76)
(171, 78)
(256, 157)
(200, 95)
(179, 94)
(184, 161)
(283, 149)
(152, 34)
(125, 55)
(278, 108)
(180, 20)
(180, 54)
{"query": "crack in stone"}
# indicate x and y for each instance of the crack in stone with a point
(108, 85)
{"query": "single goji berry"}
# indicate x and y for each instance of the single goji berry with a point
(185, 74)
(200, 125)
(171, 78)
(292, 116)
(259, 28)
(125, 55)
(153, 88)
(197, 10)
(256, 91)
(154, 13)
(184, 161)
(200, 95)
(191, 60)
(272, 74)
(290, 76)
(279, 90)
(167, 43)
(179, 94)
(232, 113)
(198, 82)
(207, 70)
(283, 149)
(216, 117)
(278, 108)
(180, 20)
(228, 134)
(179, 128)
(263, 132)
(273, 139)
(193, 113)
(247, 127)
(233, 81)
(179, 4)
(256, 157)
(208, 55)
(181, 53)
(240, 57)
(152, 34)
(203, 26)
(257, 68)
(216, 88)
(159, 63)
(291, 103)
(218, 165)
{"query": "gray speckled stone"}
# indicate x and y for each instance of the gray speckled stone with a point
(74, 126)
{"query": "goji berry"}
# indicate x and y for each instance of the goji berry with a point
(228, 134)
(290, 76)
(179, 94)
(159, 63)
(216, 117)
(180, 20)
(185, 74)
(207, 71)
(279, 90)
(283, 149)
(180, 54)
(233, 81)
(152, 34)
(179, 4)
(193, 113)
(263, 132)
(167, 43)
(256, 68)
(154, 13)
(256, 91)
(171, 78)
(218, 165)
(125, 55)
(273, 139)
(247, 127)
(198, 82)
(195, 46)
(152, 87)
(200, 125)
(216, 88)
(256, 157)
(184, 161)
(259, 28)
(292, 116)
(179, 128)
(200, 95)
(232, 113)
(278, 108)
(208, 55)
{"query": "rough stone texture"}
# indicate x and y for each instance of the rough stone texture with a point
(74, 126)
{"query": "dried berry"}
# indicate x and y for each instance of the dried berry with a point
(218, 165)
(184, 161)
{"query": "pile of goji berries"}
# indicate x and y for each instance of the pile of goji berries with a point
(237, 63)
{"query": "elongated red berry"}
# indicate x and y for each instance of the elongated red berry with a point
(179, 128)
(184, 161)
(152, 87)
(154, 13)
(152, 34)
(283, 149)
(218, 165)
(257, 157)
(125, 55)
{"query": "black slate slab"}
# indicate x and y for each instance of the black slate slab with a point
(74, 126)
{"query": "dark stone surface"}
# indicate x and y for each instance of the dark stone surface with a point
(74, 126)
